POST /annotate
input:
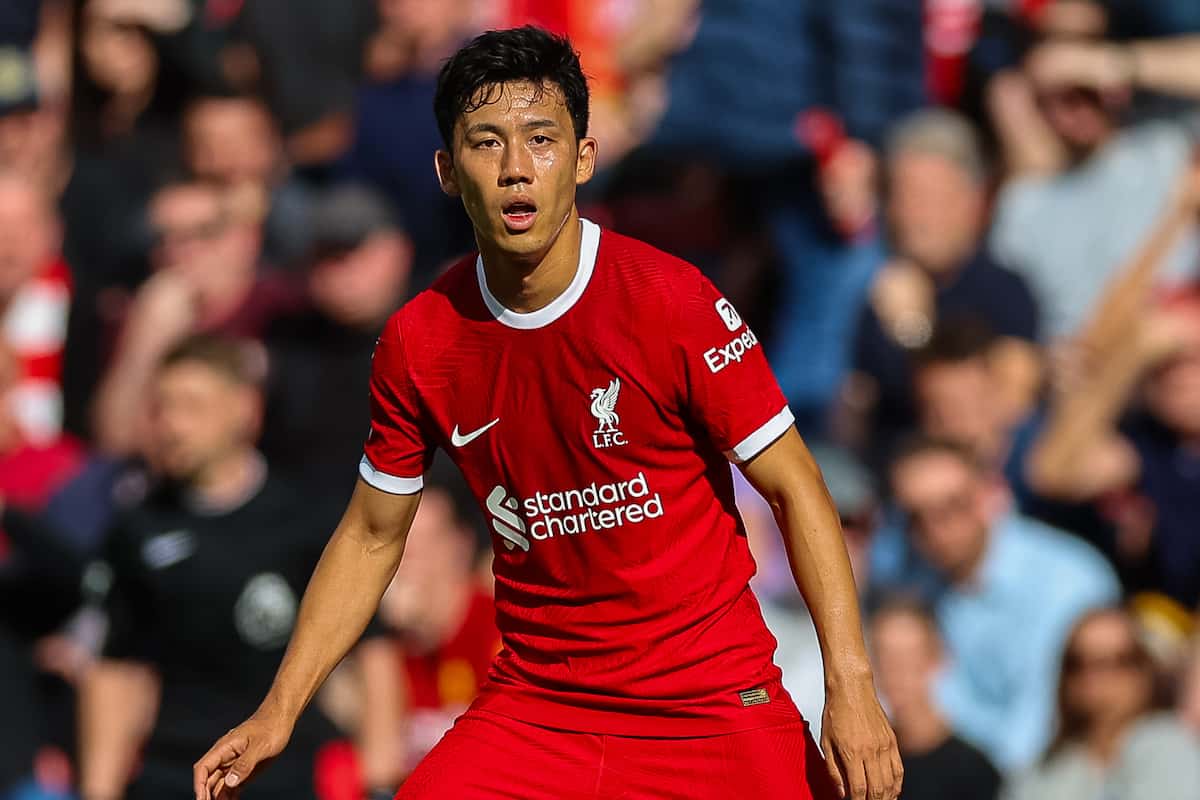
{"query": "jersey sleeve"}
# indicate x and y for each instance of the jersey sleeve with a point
(398, 448)
(728, 386)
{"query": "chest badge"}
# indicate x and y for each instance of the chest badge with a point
(604, 409)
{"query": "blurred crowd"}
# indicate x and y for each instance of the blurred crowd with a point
(968, 232)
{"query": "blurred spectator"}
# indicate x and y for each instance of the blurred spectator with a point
(206, 279)
(35, 295)
(908, 655)
(800, 90)
(1083, 191)
(1114, 736)
(30, 136)
(445, 623)
(359, 275)
(308, 59)
(798, 652)
(403, 59)
(936, 213)
(220, 552)
(233, 141)
(1008, 590)
(1087, 453)
(1189, 696)
(39, 580)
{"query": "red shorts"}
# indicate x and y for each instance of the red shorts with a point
(486, 756)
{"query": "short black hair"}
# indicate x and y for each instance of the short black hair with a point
(955, 340)
(471, 77)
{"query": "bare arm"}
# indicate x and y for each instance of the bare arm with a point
(858, 742)
(118, 701)
(356, 567)
(1029, 146)
(1169, 66)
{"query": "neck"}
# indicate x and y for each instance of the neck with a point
(526, 283)
(921, 729)
(1104, 740)
(230, 481)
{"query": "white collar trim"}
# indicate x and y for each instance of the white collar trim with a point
(588, 246)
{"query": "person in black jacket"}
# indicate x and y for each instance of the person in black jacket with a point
(218, 552)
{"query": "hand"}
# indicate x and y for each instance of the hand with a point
(163, 312)
(860, 748)
(222, 772)
(1102, 66)
(902, 297)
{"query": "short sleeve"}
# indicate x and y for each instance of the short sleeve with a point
(729, 387)
(398, 449)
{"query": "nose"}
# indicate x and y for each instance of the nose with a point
(516, 166)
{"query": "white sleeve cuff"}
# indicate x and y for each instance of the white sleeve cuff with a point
(758, 441)
(392, 484)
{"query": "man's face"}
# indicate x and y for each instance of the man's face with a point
(437, 564)
(957, 401)
(230, 141)
(947, 508)
(1173, 392)
(907, 655)
(935, 210)
(199, 416)
(28, 233)
(198, 236)
(515, 162)
(362, 286)
(1079, 117)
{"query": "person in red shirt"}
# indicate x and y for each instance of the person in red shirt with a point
(445, 622)
(592, 391)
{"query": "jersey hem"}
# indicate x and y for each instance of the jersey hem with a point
(758, 441)
(663, 722)
(392, 484)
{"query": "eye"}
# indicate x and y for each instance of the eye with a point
(487, 143)
(540, 139)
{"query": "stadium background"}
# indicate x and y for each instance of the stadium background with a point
(970, 219)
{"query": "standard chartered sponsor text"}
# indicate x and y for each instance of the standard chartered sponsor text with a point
(595, 507)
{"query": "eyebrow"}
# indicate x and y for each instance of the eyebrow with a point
(489, 127)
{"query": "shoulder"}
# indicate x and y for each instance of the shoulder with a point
(646, 265)
(1072, 562)
(446, 298)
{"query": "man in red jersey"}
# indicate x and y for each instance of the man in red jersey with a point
(591, 390)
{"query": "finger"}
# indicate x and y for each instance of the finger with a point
(223, 752)
(879, 774)
(855, 776)
(835, 773)
(897, 771)
(239, 772)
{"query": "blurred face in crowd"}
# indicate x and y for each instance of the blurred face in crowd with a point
(956, 401)
(1107, 679)
(200, 417)
(29, 232)
(118, 56)
(429, 593)
(231, 141)
(516, 162)
(948, 508)
(16, 131)
(201, 235)
(361, 286)
(1079, 117)
(907, 653)
(935, 210)
(1173, 390)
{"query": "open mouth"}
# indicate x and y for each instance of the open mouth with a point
(519, 214)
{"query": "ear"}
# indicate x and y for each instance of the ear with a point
(585, 163)
(443, 164)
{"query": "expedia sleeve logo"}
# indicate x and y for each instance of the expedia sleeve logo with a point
(729, 314)
(732, 352)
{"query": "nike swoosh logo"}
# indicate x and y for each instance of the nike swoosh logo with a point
(459, 440)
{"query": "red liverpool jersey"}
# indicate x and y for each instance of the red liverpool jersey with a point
(596, 434)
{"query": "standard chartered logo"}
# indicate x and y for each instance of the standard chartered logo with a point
(595, 507)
